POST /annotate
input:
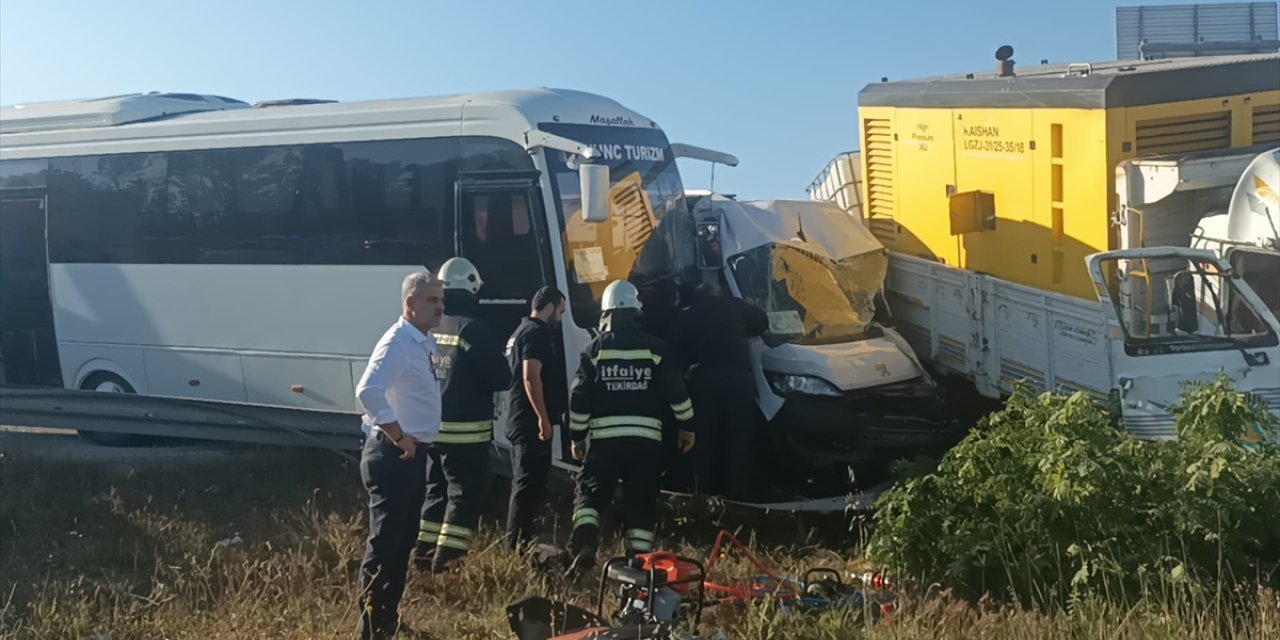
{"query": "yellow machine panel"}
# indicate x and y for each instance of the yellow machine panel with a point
(1012, 173)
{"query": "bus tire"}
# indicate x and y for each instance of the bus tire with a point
(107, 382)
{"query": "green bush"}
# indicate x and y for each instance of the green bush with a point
(1047, 501)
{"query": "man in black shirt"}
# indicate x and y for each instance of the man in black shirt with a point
(711, 336)
(537, 397)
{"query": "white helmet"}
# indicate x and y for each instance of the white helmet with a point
(620, 294)
(459, 273)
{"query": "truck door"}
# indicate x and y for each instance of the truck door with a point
(1259, 268)
(1189, 319)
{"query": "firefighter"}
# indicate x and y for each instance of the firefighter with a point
(660, 302)
(471, 368)
(712, 337)
(622, 389)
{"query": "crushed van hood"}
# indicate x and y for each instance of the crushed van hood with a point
(810, 266)
(814, 226)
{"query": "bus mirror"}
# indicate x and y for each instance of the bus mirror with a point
(595, 192)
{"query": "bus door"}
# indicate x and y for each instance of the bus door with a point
(500, 227)
(28, 347)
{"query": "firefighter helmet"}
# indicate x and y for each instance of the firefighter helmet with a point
(620, 294)
(459, 273)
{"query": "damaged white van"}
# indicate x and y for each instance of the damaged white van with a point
(836, 382)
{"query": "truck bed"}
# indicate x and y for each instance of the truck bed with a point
(996, 333)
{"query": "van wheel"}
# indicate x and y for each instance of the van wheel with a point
(106, 382)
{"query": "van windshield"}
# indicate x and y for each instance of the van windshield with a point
(811, 299)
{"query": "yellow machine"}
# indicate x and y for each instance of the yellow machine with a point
(600, 253)
(1012, 173)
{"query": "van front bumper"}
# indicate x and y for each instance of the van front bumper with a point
(861, 426)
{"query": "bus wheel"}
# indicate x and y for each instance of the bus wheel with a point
(106, 382)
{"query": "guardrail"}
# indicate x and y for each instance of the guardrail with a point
(55, 408)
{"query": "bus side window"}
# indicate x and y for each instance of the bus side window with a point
(376, 202)
(101, 207)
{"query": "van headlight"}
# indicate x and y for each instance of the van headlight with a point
(784, 383)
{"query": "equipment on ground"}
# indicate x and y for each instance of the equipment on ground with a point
(537, 618)
(818, 587)
(658, 588)
(660, 592)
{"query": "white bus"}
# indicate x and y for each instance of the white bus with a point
(199, 247)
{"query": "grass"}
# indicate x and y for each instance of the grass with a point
(93, 549)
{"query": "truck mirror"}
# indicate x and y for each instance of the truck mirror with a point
(1182, 302)
(709, 255)
(594, 182)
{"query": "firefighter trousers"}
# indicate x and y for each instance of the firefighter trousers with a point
(637, 464)
(457, 491)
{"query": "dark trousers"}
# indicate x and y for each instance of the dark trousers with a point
(724, 406)
(396, 491)
(457, 490)
(677, 468)
(530, 466)
(637, 464)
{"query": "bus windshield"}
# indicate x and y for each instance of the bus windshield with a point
(649, 235)
(810, 299)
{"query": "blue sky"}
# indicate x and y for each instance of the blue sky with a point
(775, 83)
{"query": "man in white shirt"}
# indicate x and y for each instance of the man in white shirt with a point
(399, 397)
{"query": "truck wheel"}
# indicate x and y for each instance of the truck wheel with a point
(106, 382)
